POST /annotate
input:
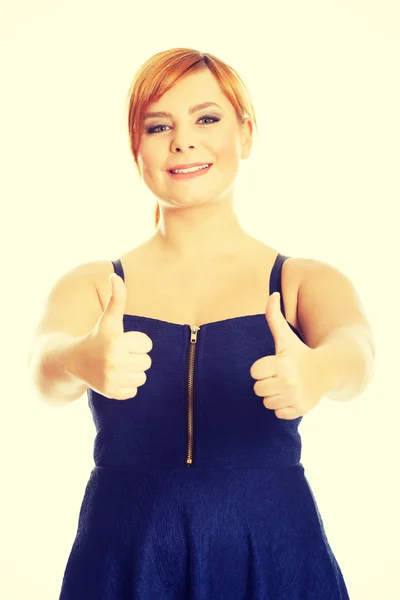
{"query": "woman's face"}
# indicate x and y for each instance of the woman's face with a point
(209, 135)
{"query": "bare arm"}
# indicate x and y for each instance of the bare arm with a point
(71, 311)
(50, 368)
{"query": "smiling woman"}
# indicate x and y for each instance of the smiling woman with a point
(160, 74)
(198, 490)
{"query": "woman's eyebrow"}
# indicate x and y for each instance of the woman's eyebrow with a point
(191, 110)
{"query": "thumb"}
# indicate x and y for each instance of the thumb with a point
(280, 330)
(115, 309)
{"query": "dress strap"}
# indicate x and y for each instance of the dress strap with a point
(118, 268)
(275, 282)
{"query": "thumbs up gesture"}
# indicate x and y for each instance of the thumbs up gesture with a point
(287, 381)
(110, 361)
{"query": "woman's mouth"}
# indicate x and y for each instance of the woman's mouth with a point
(199, 171)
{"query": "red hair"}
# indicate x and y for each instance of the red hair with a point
(160, 73)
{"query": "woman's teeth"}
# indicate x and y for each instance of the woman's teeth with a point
(192, 170)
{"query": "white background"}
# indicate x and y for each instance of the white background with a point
(322, 182)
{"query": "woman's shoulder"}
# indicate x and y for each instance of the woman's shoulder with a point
(104, 267)
(100, 270)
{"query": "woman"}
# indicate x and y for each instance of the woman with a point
(198, 490)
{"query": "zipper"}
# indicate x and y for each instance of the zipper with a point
(192, 351)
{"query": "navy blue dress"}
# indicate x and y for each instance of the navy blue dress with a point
(198, 492)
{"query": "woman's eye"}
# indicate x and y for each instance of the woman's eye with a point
(154, 129)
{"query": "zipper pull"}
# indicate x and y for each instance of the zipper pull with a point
(193, 336)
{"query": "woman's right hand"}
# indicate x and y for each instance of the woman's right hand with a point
(110, 361)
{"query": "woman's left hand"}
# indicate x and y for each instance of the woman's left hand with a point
(288, 380)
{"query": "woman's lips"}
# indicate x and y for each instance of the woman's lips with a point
(189, 175)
